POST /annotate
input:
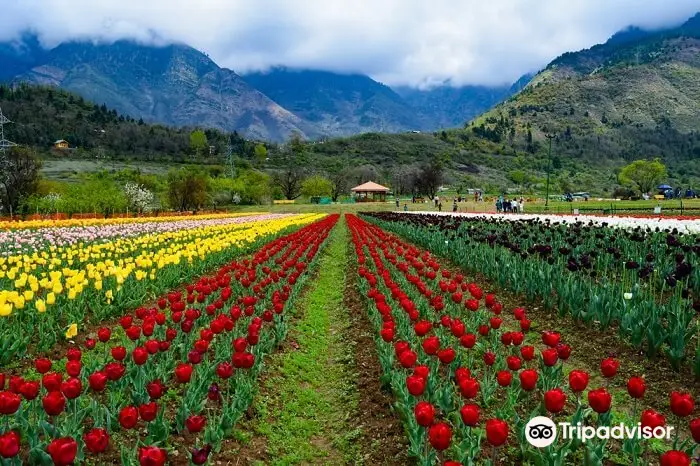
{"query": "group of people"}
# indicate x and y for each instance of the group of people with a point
(512, 205)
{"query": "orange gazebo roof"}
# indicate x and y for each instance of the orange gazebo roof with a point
(370, 187)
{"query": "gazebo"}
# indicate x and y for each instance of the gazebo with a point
(370, 191)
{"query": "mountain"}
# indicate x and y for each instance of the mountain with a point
(338, 104)
(635, 96)
(175, 85)
(19, 56)
(446, 106)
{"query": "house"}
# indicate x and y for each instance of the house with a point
(61, 144)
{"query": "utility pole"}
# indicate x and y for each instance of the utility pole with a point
(549, 167)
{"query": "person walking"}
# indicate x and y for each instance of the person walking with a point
(440, 207)
(454, 205)
(522, 205)
(499, 205)
(397, 203)
(514, 206)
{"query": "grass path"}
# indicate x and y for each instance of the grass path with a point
(307, 404)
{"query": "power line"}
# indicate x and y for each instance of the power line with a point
(4, 143)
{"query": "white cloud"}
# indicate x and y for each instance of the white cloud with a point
(396, 41)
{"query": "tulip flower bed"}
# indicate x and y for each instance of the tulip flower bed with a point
(170, 381)
(645, 282)
(95, 280)
(468, 374)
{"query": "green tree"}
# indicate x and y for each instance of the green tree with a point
(19, 177)
(198, 142)
(260, 154)
(643, 174)
(187, 188)
(316, 185)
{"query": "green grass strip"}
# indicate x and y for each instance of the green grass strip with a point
(305, 408)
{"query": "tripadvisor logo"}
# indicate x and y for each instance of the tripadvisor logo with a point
(541, 432)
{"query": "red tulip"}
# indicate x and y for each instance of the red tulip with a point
(563, 351)
(224, 370)
(422, 371)
(128, 417)
(9, 402)
(495, 322)
(675, 458)
(52, 381)
(519, 313)
(153, 346)
(578, 381)
(682, 404)
(183, 372)
(528, 379)
(201, 455)
(599, 400)
(636, 387)
(126, 322)
(96, 440)
(133, 332)
(152, 456)
(504, 378)
(119, 353)
(73, 368)
(155, 389)
(148, 411)
(408, 358)
(695, 429)
(525, 325)
(489, 358)
(195, 423)
(422, 327)
(652, 419)
(139, 355)
(415, 385)
(63, 451)
(527, 352)
(424, 412)
(550, 338)
(469, 387)
(72, 388)
(609, 367)
(15, 384)
(468, 340)
(30, 390)
(387, 334)
(513, 363)
(90, 343)
(431, 345)
(114, 371)
(446, 355)
(470, 415)
(496, 432)
(550, 357)
(9, 444)
(54, 403)
(74, 354)
(104, 334)
(554, 400)
(484, 330)
(440, 436)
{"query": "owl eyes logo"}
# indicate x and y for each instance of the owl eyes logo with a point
(540, 432)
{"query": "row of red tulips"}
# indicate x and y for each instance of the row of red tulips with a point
(185, 366)
(463, 372)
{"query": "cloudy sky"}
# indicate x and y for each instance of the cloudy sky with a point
(399, 42)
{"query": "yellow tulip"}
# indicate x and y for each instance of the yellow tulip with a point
(5, 310)
(50, 299)
(72, 331)
(40, 305)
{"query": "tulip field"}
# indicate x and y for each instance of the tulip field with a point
(153, 341)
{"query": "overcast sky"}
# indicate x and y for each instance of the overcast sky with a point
(399, 42)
